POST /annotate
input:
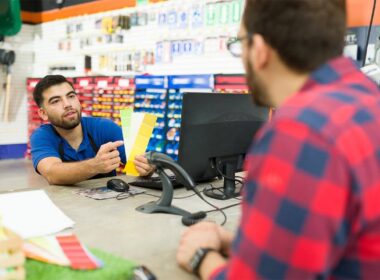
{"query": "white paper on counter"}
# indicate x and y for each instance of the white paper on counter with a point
(32, 214)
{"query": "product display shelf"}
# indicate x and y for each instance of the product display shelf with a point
(84, 87)
(123, 96)
(151, 97)
(178, 85)
(230, 83)
(34, 120)
(102, 105)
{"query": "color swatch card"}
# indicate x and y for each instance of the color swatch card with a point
(137, 130)
(63, 250)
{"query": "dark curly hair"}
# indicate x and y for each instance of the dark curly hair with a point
(305, 33)
(45, 83)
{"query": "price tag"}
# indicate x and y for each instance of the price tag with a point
(102, 84)
(124, 83)
(83, 83)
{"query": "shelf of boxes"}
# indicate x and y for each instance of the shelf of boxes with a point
(84, 87)
(151, 97)
(102, 104)
(234, 83)
(230, 83)
(178, 85)
(34, 121)
(123, 96)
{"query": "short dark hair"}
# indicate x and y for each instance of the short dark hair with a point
(305, 33)
(45, 83)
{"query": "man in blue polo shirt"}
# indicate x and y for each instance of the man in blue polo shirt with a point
(73, 148)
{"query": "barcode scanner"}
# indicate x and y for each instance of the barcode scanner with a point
(164, 204)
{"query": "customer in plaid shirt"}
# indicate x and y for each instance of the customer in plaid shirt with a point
(311, 206)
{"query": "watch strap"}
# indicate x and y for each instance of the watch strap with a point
(198, 257)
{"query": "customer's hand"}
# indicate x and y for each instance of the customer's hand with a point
(201, 235)
(142, 166)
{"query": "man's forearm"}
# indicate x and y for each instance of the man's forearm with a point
(212, 261)
(68, 173)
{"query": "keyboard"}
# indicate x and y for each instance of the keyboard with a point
(154, 182)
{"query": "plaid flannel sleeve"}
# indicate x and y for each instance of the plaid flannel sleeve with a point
(295, 202)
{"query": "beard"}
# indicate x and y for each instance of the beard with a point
(256, 88)
(64, 122)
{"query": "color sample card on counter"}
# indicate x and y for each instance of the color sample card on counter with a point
(137, 130)
(62, 250)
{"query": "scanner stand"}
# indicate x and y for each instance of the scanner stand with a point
(163, 205)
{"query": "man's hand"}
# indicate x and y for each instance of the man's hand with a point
(142, 166)
(107, 159)
(226, 237)
(201, 235)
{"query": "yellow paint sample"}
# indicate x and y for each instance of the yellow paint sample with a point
(137, 129)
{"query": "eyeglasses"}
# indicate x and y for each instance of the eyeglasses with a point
(235, 46)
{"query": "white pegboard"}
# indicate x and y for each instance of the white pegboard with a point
(15, 130)
(138, 38)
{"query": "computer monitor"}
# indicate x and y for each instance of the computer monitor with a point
(216, 132)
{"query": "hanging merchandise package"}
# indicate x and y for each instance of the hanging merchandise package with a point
(10, 17)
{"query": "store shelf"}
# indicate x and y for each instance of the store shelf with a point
(178, 85)
(151, 97)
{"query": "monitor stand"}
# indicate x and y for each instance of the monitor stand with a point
(163, 205)
(229, 186)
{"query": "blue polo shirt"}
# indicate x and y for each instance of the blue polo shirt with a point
(45, 141)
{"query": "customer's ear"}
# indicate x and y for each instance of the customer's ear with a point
(259, 53)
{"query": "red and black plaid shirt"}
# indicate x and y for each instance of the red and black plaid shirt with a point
(311, 205)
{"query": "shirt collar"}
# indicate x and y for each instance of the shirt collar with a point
(330, 72)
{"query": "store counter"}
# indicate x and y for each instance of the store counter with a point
(116, 227)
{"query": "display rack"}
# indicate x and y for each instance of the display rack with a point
(230, 83)
(84, 86)
(123, 96)
(151, 96)
(34, 120)
(178, 85)
(103, 97)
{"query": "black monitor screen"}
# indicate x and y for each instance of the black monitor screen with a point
(216, 132)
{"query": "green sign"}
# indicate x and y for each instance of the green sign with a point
(142, 2)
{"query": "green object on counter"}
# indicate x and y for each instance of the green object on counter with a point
(114, 268)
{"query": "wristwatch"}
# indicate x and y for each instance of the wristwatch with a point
(197, 259)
